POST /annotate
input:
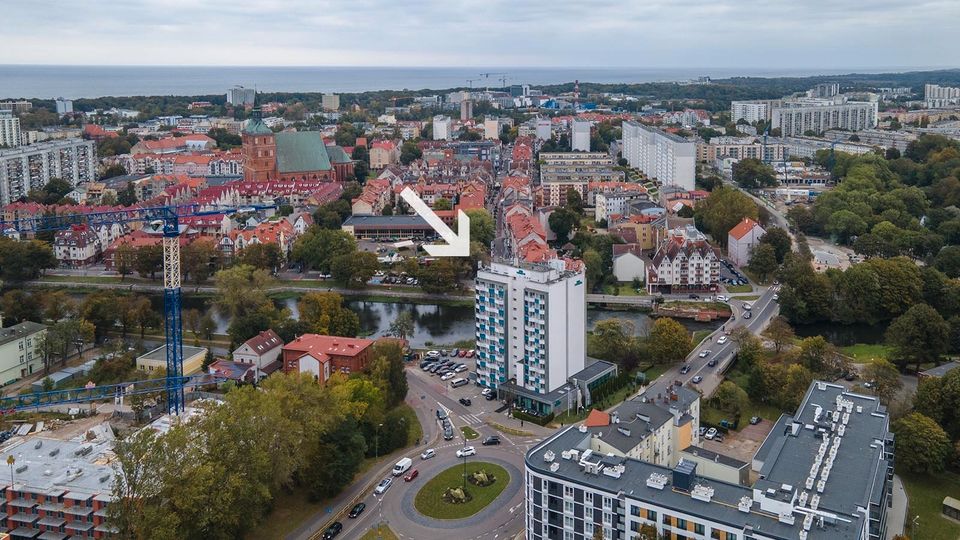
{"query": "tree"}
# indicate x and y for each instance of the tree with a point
(928, 443)
(317, 248)
(198, 259)
(939, 398)
(669, 341)
(731, 398)
(24, 260)
(442, 204)
(574, 201)
(482, 226)
(149, 260)
(610, 338)
(885, 379)
(752, 173)
(354, 270)
(763, 261)
(324, 313)
(124, 260)
(19, 306)
(241, 289)
(948, 261)
(780, 240)
(403, 326)
(595, 269)
(561, 222)
(780, 332)
(100, 309)
(388, 374)
(844, 225)
(264, 256)
(208, 326)
(191, 320)
(440, 276)
(409, 152)
(920, 335)
(722, 210)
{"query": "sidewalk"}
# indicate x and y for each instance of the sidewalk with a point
(897, 515)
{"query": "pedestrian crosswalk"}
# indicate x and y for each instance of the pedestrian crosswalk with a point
(471, 419)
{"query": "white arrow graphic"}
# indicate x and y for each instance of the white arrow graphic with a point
(458, 245)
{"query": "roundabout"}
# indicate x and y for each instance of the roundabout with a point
(448, 496)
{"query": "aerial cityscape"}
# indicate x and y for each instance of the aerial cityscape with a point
(425, 278)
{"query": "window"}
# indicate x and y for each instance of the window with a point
(607, 503)
(651, 515)
(698, 528)
(666, 519)
(568, 492)
(567, 522)
(607, 518)
(568, 507)
(681, 523)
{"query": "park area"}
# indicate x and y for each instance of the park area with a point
(437, 498)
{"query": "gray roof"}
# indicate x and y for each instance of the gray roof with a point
(595, 368)
(18, 331)
(160, 353)
(386, 221)
(644, 414)
(941, 370)
(723, 507)
(714, 456)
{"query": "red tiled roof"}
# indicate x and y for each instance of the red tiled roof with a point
(743, 228)
(264, 342)
(329, 345)
(597, 419)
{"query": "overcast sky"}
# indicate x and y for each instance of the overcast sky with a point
(782, 34)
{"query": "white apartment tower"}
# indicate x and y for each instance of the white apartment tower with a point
(936, 96)
(580, 135)
(330, 102)
(544, 129)
(664, 156)
(531, 324)
(9, 130)
(751, 111)
(64, 106)
(240, 96)
(442, 128)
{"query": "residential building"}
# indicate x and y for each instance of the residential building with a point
(156, 359)
(614, 202)
(936, 96)
(824, 90)
(798, 117)
(628, 262)
(806, 147)
(824, 473)
(684, 261)
(877, 137)
(20, 353)
(16, 106)
(9, 130)
(580, 135)
(61, 488)
(384, 154)
(664, 156)
(751, 111)
(330, 102)
(374, 197)
(643, 229)
(262, 352)
(742, 239)
(740, 148)
(32, 166)
(544, 129)
(442, 128)
(466, 110)
(77, 246)
(530, 324)
(64, 106)
(491, 127)
(341, 354)
(239, 96)
(563, 171)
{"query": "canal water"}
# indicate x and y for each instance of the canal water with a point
(434, 323)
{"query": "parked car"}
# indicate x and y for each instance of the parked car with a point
(697, 380)
(747, 306)
(491, 441)
(428, 453)
(383, 486)
(703, 431)
(486, 392)
(465, 402)
(754, 420)
(719, 437)
(455, 352)
(333, 530)
(433, 354)
(357, 510)
(722, 298)
(684, 369)
(466, 451)
(459, 369)
(447, 376)
(470, 353)
(462, 353)
(711, 433)
(411, 475)
(490, 397)
(704, 353)
(458, 382)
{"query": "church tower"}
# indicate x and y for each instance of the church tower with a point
(259, 149)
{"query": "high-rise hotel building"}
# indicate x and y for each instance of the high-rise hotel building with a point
(530, 324)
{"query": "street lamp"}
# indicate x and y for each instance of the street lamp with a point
(913, 529)
(464, 464)
(376, 443)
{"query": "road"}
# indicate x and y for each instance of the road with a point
(502, 519)
(764, 309)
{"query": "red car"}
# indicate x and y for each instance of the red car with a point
(463, 352)
(411, 475)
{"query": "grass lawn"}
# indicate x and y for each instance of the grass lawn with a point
(926, 494)
(739, 288)
(623, 289)
(385, 533)
(656, 371)
(714, 416)
(861, 353)
(616, 398)
(469, 433)
(429, 500)
(700, 335)
(508, 430)
(93, 279)
(748, 298)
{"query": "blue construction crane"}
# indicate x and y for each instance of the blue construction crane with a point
(169, 218)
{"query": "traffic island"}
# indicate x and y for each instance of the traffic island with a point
(447, 496)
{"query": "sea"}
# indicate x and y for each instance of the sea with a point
(73, 82)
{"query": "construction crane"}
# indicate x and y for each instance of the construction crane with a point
(503, 81)
(487, 76)
(167, 217)
(471, 81)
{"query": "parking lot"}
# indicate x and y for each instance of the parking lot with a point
(729, 275)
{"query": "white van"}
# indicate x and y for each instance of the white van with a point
(402, 466)
(456, 383)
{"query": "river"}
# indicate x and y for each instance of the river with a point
(435, 324)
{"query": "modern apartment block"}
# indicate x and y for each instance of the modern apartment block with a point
(9, 130)
(824, 473)
(442, 128)
(563, 171)
(240, 96)
(936, 96)
(667, 157)
(739, 148)
(751, 111)
(32, 166)
(530, 324)
(818, 115)
(580, 135)
(330, 102)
